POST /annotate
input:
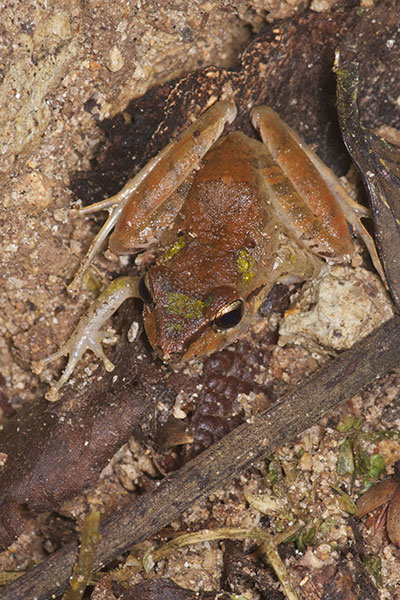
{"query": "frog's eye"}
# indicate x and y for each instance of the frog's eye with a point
(144, 292)
(230, 315)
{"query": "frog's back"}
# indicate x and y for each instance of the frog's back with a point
(227, 202)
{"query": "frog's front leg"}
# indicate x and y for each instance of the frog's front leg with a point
(136, 211)
(88, 334)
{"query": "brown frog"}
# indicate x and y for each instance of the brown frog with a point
(228, 218)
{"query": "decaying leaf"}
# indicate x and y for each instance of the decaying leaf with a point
(376, 496)
(379, 165)
(385, 494)
(166, 589)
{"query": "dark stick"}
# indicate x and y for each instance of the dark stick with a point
(339, 380)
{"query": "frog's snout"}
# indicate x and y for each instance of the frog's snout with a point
(166, 341)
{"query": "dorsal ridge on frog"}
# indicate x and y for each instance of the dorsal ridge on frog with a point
(235, 216)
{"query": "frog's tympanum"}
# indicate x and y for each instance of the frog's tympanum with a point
(227, 218)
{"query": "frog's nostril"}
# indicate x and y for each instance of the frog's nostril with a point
(171, 356)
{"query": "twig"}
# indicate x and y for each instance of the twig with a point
(338, 381)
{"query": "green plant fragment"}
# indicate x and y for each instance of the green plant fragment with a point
(345, 502)
(345, 463)
(81, 575)
(373, 565)
(349, 423)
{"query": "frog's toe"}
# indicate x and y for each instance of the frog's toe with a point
(38, 365)
(52, 395)
(74, 357)
(96, 347)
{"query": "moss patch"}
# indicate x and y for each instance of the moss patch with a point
(185, 306)
(175, 248)
(245, 263)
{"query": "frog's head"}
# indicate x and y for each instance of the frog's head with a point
(188, 316)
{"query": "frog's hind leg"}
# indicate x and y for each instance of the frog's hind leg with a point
(286, 147)
(352, 210)
(88, 334)
(149, 208)
(114, 205)
(143, 195)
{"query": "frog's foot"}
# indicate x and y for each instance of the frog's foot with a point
(294, 264)
(88, 334)
(75, 352)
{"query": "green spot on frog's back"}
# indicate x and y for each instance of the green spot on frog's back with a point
(175, 248)
(245, 263)
(175, 328)
(185, 306)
